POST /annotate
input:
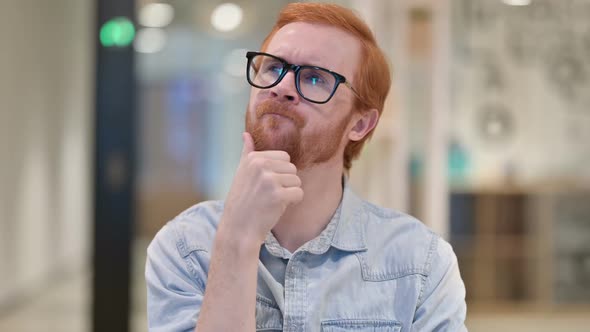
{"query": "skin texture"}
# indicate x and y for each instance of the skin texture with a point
(294, 196)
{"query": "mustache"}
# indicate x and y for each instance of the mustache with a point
(282, 109)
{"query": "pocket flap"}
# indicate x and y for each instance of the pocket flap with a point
(361, 325)
(268, 317)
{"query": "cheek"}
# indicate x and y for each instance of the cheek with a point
(253, 102)
(256, 97)
(259, 94)
(326, 119)
(340, 114)
(253, 92)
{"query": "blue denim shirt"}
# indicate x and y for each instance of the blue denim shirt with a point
(371, 269)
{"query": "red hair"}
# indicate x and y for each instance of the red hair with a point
(372, 80)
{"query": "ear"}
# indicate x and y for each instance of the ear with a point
(365, 122)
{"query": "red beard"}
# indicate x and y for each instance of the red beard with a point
(270, 131)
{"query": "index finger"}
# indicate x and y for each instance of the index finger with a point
(271, 154)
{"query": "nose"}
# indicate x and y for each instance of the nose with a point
(286, 90)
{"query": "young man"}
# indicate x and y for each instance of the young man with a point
(292, 248)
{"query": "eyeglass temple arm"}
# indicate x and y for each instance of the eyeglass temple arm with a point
(352, 89)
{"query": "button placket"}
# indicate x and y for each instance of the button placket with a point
(295, 295)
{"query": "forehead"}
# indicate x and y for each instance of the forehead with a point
(316, 44)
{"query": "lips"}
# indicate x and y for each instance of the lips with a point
(278, 110)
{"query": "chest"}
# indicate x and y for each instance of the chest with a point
(334, 294)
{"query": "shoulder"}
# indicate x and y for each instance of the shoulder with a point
(192, 230)
(401, 244)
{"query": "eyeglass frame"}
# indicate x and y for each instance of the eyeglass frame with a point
(296, 70)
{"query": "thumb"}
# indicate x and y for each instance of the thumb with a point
(248, 144)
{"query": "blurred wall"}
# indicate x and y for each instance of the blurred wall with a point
(46, 135)
(521, 93)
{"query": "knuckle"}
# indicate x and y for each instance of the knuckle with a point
(267, 163)
(268, 180)
(275, 197)
(299, 192)
(256, 162)
(282, 155)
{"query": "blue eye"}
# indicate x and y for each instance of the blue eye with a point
(277, 69)
(274, 68)
(313, 78)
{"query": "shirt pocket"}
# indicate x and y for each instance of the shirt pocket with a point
(361, 325)
(268, 315)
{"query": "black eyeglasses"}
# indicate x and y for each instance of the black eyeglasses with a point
(314, 84)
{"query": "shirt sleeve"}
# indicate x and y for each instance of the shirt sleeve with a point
(174, 296)
(442, 304)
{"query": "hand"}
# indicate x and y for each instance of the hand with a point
(265, 184)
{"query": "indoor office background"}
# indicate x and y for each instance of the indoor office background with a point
(485, 137)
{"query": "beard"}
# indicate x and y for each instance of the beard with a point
(277, 127)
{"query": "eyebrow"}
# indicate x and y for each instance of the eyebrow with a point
(309, 62)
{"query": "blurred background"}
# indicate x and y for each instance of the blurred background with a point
(116, 115)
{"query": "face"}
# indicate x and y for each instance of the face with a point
(278, 118)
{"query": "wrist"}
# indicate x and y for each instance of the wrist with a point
(240, 242)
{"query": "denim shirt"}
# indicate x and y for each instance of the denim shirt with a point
(371, 269)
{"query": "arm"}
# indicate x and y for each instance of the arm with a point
(264, 185)
(174, 295)
(442, 302)
(230, 298)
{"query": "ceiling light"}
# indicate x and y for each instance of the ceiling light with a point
(517, 2)
(156, 15)
(226, 17)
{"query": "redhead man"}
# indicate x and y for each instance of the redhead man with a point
(292, 248)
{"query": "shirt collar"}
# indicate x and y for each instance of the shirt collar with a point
(345, 231)
(350, 230)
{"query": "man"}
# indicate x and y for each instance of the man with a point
(292, 248)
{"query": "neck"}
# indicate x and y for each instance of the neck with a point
(322, 192)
